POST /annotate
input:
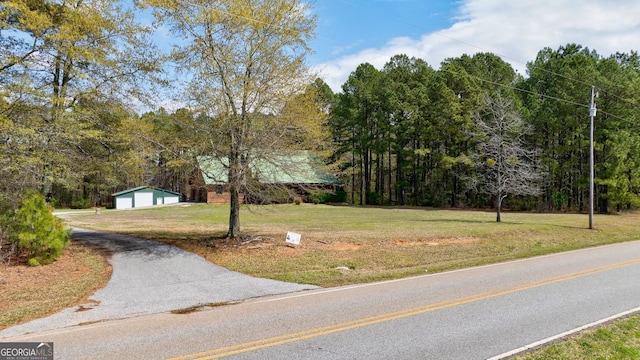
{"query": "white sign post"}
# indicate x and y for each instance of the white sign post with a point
(293, 238)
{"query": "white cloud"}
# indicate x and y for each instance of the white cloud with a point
(515, 30)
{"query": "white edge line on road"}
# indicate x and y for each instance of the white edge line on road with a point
(564, 334)
(311, 292)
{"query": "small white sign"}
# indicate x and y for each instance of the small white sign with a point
(293, 238)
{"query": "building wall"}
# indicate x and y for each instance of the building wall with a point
(144, 197)
(223, 198)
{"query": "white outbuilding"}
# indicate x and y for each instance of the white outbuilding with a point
(144, 196)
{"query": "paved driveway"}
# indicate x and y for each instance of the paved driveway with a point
(151, 277)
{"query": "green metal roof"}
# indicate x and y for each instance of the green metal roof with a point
(293, 168)
(150, 188)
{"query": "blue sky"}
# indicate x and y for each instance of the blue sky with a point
(346, 26)
(351, 32)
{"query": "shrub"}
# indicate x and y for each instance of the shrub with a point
(325, 196)
(80, 203)
(318, 196)
(271, 196)
(8, 247)
(38, 233)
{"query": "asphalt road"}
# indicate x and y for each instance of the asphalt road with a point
(478, 313)
(151, 277)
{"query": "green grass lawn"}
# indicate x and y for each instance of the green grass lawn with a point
(345, 245)
(619, 340)
(373, 243)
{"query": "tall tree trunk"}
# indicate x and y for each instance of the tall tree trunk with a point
(602, 203)
(361, 180)
(399, 179)
(414, 173)
(234, 212)
(390, 175)
(368, 164)
(353, 176)
(380, 177)
(235, 181)
(454, 189)
(353, 166)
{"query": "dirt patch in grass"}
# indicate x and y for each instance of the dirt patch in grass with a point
(434, 242)
(450, 241)
(290, 250)
(345, 247)
(28, 293)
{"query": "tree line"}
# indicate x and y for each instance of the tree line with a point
(408, 134)
(74, 74)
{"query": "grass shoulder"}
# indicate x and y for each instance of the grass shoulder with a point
(617, 340)
(345, 245)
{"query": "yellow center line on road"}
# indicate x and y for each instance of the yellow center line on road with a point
(344, 326)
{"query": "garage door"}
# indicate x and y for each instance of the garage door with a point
(143, 199)
(171, 200)
(124, 203)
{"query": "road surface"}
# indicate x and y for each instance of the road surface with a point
(151, 277)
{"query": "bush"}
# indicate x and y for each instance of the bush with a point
(272, 196)
(80, 203)
(37, 232)
(324, 196)
(7, 247)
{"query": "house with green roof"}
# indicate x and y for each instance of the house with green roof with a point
(275, 178)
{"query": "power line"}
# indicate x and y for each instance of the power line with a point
(369, 10)
(397, 20)
(545, 96)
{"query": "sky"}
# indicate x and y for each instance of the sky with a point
(352, 32)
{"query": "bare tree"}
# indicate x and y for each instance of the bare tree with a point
(506, 165)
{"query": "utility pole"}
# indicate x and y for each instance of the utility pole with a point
(592, 114)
